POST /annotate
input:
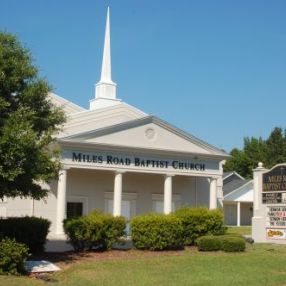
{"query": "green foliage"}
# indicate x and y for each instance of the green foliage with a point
(82, 232)
(271, 151)
(31, 231)
(209, 243)
(232, 244)
(200, 221)
(94, 230)
(28, 121)
(276, 148)
(227, 243)
(157, 232)
(12, 256)
(114, 228)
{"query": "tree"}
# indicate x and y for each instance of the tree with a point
(270, 151)
(276, 147)
(238, 162)
(28, 122)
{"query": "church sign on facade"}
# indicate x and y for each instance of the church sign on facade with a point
(110, 160)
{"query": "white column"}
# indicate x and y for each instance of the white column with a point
(213, 193)
(168, 194)
(258, 219)
(61, 201)
(257, 186)
(117, 196)
(238, 214)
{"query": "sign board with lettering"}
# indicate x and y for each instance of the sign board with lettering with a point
(269, 205)
(109, 160)
(275, 180)
(273, 198)
(275, 233)
(274, 186)
(276, 216)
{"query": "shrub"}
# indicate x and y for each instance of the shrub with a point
(157, 232)
(209, 243)
(12, 256)
(31, 231)
(232, 244)
(113, 229)
(226, 243)
(199, 222)
(94, 230)
(80, 231)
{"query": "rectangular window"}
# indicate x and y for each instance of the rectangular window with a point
(74, 209)
(158, 202)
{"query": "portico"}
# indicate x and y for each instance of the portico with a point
(130, 193)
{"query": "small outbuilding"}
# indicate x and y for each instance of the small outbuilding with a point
(237, 199)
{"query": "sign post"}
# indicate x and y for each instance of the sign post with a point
(269, 220)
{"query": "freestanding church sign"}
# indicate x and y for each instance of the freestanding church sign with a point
(269, 220)
(275, 180)
(274, 186)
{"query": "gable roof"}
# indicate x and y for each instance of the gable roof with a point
(231, 173)
(68, 106)
(242, 191)
(233, 185)
(140, 122)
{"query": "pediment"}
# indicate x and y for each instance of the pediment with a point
(91, 120)
(147, 133)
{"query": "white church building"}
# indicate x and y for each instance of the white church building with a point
(118, 159)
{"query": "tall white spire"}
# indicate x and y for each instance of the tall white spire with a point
(105, 89)
(106, 60)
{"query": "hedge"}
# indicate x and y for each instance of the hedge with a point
(200, 221)
(12, 256)
(209, 243)
(232, 244)
(32, 231)
(157, 232)
(223, 242)
(95, 230)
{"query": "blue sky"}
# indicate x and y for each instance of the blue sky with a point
(216, 69)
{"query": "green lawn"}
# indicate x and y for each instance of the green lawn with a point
(261, 264)
(243, 230)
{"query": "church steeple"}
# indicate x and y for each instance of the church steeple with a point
(106, 60)
(105, 89)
